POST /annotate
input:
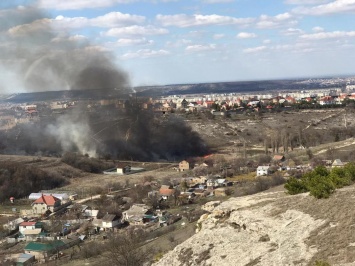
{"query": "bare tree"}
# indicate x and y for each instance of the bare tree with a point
(126, 250)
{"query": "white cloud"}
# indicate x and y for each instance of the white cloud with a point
(217, 1)
(218, 36)
(115, 19)
(109, 20)
(79, 4)
(130, 42)
(135, 31)
(317, 29)
(280, 20)
(89, 4)
(145, 53)
(255, 49)
(246, 35)
(328, 35)
(337, 6)
(292, 31)
(266, 41)
(183, 20)
(200, 48)
(305, 2)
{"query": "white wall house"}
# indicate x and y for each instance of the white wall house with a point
(262, 170)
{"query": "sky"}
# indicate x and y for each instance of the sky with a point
(159, 42)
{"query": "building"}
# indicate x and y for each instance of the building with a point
(184, 166)
(262, 170)
(123, 168)
(110, 221)
(166, 191)
(64, 197)
(337, 163)
(136, 213)
(45, 203)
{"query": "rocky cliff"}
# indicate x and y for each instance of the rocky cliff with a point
(272, 229)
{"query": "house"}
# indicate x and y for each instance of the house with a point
(25, 259)
(337, 163)
(64, 197)
(91, 213)
(31, 231)
(184, 166)
(221, 182)
(166, 191)
(123, 168)
(43, 250)
(110, 221)
(262, 170)
(45, 203)
(29, 226)
(199, 180)
(135, 214)
(210, 182)
(278, 158)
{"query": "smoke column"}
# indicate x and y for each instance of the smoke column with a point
(35, 55)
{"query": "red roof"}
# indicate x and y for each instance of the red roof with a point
(48, 200)
(166, 191)
(27, 223)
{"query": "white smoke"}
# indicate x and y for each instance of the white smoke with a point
(73, 132)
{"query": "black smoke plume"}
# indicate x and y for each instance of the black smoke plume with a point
(36, 57)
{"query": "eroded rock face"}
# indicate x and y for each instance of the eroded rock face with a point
(247, 231)
(210, 206)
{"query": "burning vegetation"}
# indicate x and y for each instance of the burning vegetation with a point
(43, 57)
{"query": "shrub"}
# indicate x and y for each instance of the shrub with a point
(295, 186)
(321, 186)
(321, 263)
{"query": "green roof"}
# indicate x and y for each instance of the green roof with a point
(38, 246)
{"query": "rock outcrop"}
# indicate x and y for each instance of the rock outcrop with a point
(252, 230)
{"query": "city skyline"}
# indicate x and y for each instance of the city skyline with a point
(170, 42)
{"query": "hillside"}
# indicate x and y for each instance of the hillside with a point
(272, 229)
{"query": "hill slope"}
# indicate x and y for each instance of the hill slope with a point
(272, 229)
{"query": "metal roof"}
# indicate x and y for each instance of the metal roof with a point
(37, 246)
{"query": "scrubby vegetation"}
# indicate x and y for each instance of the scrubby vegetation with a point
(18, 180)
(321, 182)
(85, 163)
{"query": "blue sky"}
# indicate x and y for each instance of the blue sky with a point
(170, 41)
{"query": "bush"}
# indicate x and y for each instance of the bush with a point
(295, 186)
(19, 180)
(321, 186)
(321, 263)
(321, 183)
(84, 163)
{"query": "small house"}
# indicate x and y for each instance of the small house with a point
(184, 166)
(337, 163)
(166, 191)
(45, 203)
(278, 158)
(31, 230)
(263, 170)
(123, 168)
(110, 221)
(135, 214)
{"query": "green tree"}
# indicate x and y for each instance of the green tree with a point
(295, 186)
(320, 186)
